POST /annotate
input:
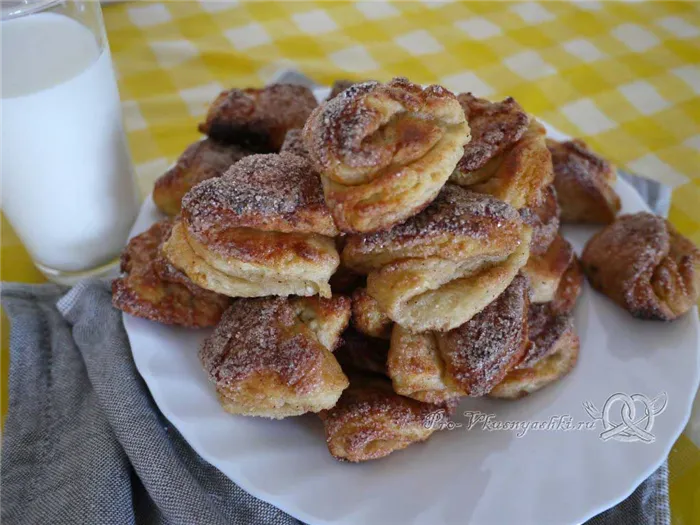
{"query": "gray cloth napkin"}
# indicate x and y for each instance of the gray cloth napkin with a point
(84, 443)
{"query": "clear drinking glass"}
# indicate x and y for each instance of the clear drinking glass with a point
(68, 185)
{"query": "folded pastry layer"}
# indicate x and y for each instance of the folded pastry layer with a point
(584, 183)
(544, 221)
(553, 345)
(151, 288)
(469, 360)
(457, 225)
(271, 357)
(370, 421)
(294, 274)
(508, 158)
(367, 317)
(384, 150)
(569, 288)
(202, 160)
(495, 126)
(441, 267)
(548, 332)
(440, 295)
(643, 264)
(326, 318)
(261, 229)
(546, 271)
(258, 118)
(274, 192)
(523, 381)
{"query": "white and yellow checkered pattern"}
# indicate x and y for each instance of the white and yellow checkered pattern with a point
(623, 76)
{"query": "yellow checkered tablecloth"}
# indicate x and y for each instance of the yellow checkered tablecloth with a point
(623, 76)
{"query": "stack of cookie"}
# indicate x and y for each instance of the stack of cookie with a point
(377, 257)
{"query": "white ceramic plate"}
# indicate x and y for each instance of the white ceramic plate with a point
(476, 475)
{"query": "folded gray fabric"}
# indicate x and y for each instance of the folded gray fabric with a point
(648, 504)
(656, 195)
(84, 442)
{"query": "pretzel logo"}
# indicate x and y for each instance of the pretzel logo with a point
(630, 427)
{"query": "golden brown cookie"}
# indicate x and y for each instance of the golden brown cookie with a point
(370, 421)
(507, 157)
(584, 183)
(441, 267)
(258, 118)
(547, 333)
(469, 360)
(384, 151)
(267, 358)
(553, 345)
(151, 289)
(643, 264)
(261, 229)
(495, 126)
(547, 270)
(202, 160)
(523, 381)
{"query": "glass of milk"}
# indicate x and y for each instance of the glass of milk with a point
(68, 185)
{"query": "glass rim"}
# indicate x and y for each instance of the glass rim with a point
(19, 8)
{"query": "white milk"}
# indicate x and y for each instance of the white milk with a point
(67, 182)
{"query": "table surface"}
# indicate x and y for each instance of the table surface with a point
(623, 76)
